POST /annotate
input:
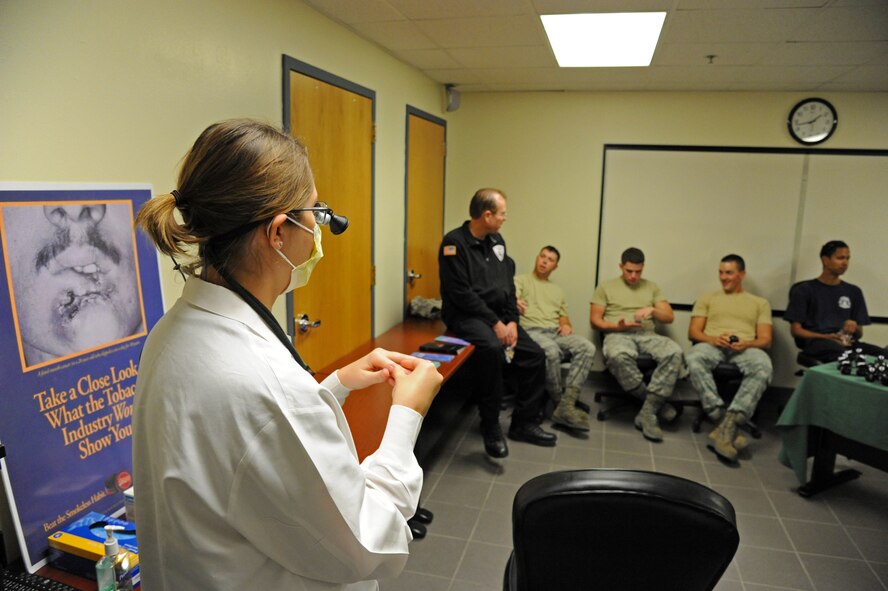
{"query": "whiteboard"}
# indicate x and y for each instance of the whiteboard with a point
(687, 207)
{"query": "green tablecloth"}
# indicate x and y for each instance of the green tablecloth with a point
(847, 405)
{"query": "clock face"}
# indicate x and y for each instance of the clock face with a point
(812, 121)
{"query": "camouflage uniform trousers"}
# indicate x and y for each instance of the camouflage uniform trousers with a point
(621, 349)
(553, 344)
(754, 364)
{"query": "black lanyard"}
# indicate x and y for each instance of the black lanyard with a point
(266, 316)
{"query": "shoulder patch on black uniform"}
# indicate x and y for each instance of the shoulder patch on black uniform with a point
(449, 250)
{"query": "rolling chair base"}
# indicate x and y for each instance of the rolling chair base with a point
(624, 403)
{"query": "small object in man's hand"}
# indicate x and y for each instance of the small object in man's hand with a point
(510, 353)
(733, 339)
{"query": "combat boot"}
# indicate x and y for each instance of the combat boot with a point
(668, 413)
(646, 419)
(723, 437)
(740, 442)
(567, 414)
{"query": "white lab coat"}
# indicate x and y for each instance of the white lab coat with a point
(246, 474)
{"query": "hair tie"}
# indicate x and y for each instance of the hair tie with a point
(180, 202)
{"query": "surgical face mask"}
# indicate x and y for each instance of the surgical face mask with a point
(300, 273)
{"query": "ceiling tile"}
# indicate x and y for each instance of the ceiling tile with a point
(803, 76)
(351, 12)
(730, 4)
(881, 59)
(682, 76)
(815, 54)
(732, 26)
(435, 9)
(484, 32)
(857, 78)
(395, 35)
(456, 76)
(583, 6)
(427, 59)
(695, 54)
(504, 57)
(846, 24)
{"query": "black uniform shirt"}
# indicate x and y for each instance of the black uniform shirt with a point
(477, 278)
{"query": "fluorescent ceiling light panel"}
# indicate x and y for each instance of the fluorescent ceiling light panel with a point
(615, 39)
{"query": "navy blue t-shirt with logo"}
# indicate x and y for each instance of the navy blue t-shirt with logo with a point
(824, 308)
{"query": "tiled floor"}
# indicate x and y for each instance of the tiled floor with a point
(837, 540)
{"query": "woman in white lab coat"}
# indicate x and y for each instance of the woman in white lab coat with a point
(246, 474)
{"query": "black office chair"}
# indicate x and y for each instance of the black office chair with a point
(624, 400)
(727, 378)
(805, 361)
(618, 530)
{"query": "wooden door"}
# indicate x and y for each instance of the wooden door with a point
(336, 124)
(426, 152)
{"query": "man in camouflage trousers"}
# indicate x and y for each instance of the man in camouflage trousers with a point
(543, 310)
(730, 325)
(624, 309)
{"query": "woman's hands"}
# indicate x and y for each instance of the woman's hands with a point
(416, 381)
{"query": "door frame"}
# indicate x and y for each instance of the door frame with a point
(411, 110)
(291, 64)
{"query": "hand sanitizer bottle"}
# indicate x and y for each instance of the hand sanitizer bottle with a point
(114, 570)
(106, 575)
(123, 564)
(124, 571)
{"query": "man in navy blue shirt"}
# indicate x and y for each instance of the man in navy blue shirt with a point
(478, 305)
(828, 314)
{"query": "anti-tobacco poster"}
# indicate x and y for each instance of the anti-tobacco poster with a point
(79, 291)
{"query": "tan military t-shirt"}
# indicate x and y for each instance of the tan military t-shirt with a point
(620, 300)
(732, 313)
(545, 301)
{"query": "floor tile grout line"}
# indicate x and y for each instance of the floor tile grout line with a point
(617, 427)
(472, 532)
(854, 543)
(795, 550)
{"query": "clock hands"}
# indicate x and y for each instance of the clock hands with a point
(812, 120)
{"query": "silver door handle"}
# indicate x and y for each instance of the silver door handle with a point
(305, 324)
(413, 276)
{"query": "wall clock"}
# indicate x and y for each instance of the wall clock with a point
(812, 121)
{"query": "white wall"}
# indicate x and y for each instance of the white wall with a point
(545, 151)
(117, 91)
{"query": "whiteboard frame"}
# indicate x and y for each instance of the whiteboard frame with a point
(607, 265)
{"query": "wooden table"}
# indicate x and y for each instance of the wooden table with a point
(67, 578)
(367, 410)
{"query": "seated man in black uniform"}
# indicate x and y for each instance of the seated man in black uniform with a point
(827, 314)
(478, 294)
